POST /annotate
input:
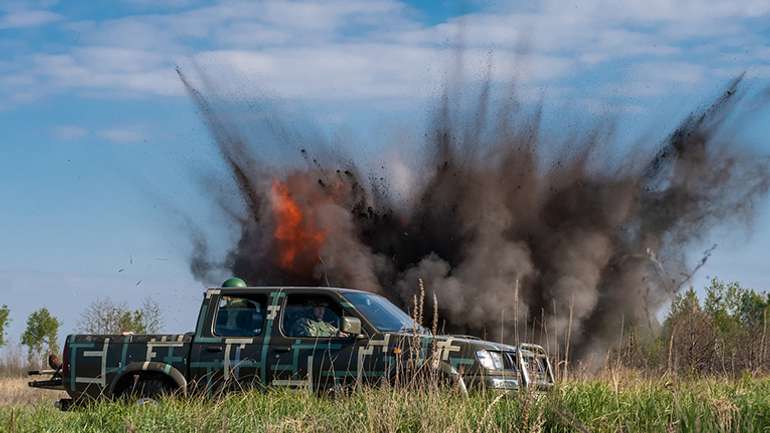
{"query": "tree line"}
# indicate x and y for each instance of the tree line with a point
(102, 316)
(725, 332)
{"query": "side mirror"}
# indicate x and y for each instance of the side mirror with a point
(351, 326)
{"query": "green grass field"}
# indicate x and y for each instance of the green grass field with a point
(702, 405)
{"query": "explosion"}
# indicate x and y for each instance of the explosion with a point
(298, 243)
(507, 238)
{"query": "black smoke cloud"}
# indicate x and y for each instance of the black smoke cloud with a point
(500, 232)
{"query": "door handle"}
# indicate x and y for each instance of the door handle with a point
(214, 349)
(282, 349)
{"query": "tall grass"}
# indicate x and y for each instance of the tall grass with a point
(638, 405)
(13, 363)
(15, 392)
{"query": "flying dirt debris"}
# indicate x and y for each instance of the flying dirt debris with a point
(495, 227)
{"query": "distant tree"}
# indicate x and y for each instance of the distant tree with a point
(40, 335)
(105, 317)
(684, 303)
(4, 320)
(727, 333)
(734, 306)
(723, 304)
(688, 335)
(152, 317)
(754, 309)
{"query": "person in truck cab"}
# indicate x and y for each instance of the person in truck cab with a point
(320, 321)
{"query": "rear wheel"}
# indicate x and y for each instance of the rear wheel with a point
(337, 391)
(147, 390)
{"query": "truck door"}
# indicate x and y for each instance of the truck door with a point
(308, 350)
(226, 354)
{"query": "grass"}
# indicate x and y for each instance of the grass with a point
(15, 392)
(639, 405)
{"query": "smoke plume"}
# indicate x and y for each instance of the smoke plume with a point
(509, 238)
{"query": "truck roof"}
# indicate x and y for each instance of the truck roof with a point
(257, 289)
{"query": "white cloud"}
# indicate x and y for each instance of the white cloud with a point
(121, 135)
(341, 71)
(650, 79)
(115, 71)
(761, 72)
(69, 132)
(674, 72)
(378, 48)
(160, 3)
(11, 5)
(678, 11)
(605, 108)
(27, 18)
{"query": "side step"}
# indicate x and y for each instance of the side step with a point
(54, 383)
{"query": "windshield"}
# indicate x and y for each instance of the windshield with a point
(385, 316)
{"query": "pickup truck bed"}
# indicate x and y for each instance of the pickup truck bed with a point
(97, 363)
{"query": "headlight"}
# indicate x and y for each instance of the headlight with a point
(490, 360)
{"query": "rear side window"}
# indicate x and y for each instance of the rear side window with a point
(240, 316)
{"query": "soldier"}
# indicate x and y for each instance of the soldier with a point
(317, 325)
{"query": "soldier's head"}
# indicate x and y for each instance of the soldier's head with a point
(319, 309)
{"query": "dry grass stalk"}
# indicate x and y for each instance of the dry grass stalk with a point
(570, 419)
(483, 424)
(556, 354)
(670, 363)
(762, 354)
(569, 338)
(422, 303)
(516, 312)
(434, 326)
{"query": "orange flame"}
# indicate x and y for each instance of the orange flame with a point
(298, 241)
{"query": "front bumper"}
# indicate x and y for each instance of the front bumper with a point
(492, 382)
(501, 383)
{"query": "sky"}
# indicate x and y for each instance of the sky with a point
(100, 143)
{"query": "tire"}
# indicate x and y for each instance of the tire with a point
(148, 390)
(337, 391)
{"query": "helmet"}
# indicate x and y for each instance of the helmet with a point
(234, 282)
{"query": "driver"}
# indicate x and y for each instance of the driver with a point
(316, 325)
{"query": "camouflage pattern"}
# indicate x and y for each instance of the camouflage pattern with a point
(203, 362)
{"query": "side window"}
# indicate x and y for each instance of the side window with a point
(311, 316)
(240, 316)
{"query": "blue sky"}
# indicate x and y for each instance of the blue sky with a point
(98, 136)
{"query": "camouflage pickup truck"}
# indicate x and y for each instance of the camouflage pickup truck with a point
(317, 338)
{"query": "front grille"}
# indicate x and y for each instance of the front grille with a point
(536, 369)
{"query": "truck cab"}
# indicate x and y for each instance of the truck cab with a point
(317, 338)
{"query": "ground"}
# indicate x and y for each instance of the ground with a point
(611, 404)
